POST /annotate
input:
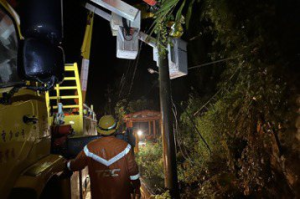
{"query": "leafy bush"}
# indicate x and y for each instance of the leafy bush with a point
(247, 120)
(150, 164)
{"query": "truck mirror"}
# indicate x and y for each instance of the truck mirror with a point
(42, 19)
(40, 61)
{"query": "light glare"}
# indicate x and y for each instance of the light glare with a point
(140, 133)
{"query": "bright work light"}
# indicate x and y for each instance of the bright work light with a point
(140, 133)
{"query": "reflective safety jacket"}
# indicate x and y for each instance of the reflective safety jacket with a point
(112, 168)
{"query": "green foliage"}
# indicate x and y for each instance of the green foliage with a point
(170, 12)
(150, 164)
(165, 195)
(140, 104)
(251, 108)
(245, 123)
(124, 107)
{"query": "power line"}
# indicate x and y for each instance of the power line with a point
(136, 64)
(211, 63)
(123, 80)
(134, 72)
(177, 136)
(196, 128)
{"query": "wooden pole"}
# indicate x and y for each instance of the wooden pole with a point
(149, 127)
(170, 165)
(154, 128)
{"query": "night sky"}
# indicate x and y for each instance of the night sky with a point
(124, 79)
(106, 70)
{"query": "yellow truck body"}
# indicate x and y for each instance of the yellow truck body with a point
(26, 163)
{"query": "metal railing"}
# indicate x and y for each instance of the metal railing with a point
(69, 94)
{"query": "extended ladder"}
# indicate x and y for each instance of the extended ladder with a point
(69, 94)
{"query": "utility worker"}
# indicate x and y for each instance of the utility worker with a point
(112, 168)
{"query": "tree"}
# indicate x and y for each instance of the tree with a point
(247, 121)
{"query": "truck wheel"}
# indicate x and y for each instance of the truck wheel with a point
(23, 193)
(52, 189)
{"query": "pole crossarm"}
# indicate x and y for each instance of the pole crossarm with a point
(142, 36)
(98, 11)
(119, 7)
(148, 39)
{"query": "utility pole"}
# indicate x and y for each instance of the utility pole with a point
(131, 14)
(169, 151)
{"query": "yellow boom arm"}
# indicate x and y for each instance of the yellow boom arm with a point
(85, 53)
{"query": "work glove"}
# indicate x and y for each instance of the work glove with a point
(66, 172)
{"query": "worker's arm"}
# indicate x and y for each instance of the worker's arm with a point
(78, 163)
(134, 172)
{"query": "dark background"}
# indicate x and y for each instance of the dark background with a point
(110, 77)
(106, 71)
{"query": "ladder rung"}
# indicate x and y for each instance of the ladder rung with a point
(67, 106)
(65, 97)
(70, 64)
(69, 97)
(69, 68)
(70, 78)
(66, 88)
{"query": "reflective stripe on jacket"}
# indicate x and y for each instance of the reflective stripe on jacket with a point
(111, 165)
